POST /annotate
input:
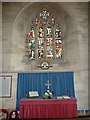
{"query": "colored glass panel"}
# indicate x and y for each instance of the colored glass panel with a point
(44, 37)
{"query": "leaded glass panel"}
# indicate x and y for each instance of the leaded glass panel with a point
(44, 37)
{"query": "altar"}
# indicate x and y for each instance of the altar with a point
(48, 108)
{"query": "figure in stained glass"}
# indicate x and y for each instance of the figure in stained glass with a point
(58, 52)
(49, 32)
(40, 54)
(49, 41)
(31, 38)
(32, 43)
(41, 33)
(40, 38)
(32, 54)
(40, 42)
(58, 33)
(49, 53)
(32, 34)
(58, 43)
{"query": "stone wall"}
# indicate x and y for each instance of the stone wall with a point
(74, 24)
(0, 45)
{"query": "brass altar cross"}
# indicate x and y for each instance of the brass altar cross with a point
(48, 84)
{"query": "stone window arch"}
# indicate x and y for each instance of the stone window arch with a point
(44, 38)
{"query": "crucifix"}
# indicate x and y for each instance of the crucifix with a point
(48, 84)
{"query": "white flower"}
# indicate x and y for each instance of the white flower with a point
(48, 94)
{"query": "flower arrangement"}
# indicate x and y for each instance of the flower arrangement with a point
(48, 95)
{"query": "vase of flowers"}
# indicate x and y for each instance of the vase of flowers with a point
(48, 95)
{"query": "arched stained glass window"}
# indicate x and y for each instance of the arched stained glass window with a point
(44, 38)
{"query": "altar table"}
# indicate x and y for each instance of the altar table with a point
(48, 108)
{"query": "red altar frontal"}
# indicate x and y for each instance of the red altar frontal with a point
(48, 108)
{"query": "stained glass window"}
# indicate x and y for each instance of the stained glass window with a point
(44, 38)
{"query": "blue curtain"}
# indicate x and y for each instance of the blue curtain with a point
(61, 84)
